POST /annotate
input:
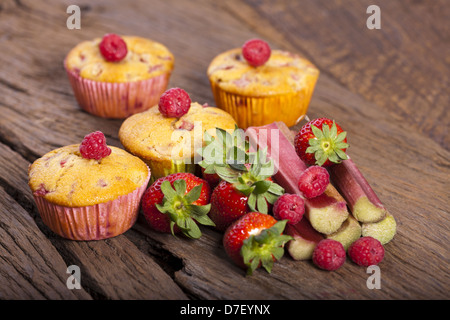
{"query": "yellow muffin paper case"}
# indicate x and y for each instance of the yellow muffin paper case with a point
(279, 90)
(119, 89)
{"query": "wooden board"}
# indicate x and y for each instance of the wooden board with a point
(387, 87)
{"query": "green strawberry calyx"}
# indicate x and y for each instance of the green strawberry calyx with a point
(327, 144)
(224, 150)
(264, 247)
(253, 183)
(178, 205)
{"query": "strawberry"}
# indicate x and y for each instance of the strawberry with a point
(322, 142)
(245, 178)
(176, 203)
(241, 192)
(255, 239)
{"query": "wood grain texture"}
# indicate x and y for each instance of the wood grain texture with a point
(388, 88)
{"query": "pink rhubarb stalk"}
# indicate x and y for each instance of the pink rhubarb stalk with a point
(327, 212)
(305, 240)
(363, 202)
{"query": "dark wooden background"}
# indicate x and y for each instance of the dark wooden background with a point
(388, 88)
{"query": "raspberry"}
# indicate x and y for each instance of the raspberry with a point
(256, 52)
(113, 48)
(94, 146)
(174, 103)
(329, 255)
(366, 251)
(290, 207)
(313, 181)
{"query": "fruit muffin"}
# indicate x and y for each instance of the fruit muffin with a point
(258, 86)
(168, 144)
(115, 77)
(88, 191)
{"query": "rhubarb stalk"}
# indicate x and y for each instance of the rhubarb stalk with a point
(305, 240)
(327, 212)
(364, 204)
(349, 232)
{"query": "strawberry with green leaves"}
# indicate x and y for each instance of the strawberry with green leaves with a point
(240, 192)
(321, 142)
(245, 177)
(225, 150)
(178, 203)
(255, 240)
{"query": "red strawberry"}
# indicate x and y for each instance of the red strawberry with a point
(227, 205)
(212, 178)
(231, 200)
(321, 141)
(255, 239)
(176, 202)
(244, 187)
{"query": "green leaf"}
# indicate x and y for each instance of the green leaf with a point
(278, 227)
(341, 154)
(270, 197)
(326, 131)
(317, 132)
(333, 157)
(161, 208)
(261, 186)
(180, 186)
(251, 202)
(333, 131)
(167, 190)
(267, 263)
(244, 188)
(341, 145)
(341, 137)
(197, 211)
(205, 220)
(278, 252)
(276, 189)
(320, 157)
(194, 193)
(227, 174)
(192, 229)
(261, 203)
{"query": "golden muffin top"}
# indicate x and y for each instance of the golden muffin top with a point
(63, 177)
(145, 59)
(283, 73)
(151, 136)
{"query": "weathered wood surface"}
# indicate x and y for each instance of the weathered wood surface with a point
(387, 87)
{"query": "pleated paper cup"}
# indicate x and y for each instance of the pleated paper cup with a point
(117, 100)
(250, 111)
(95, 222)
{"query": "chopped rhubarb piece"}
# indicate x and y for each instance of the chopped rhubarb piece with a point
(349, 232)
(364, 204)
(305, 240)
(327, 212)
(384, 230)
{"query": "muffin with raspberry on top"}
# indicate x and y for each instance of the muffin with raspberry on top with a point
(88, 191)
(167, 135)
(117, 76)
(258, 85)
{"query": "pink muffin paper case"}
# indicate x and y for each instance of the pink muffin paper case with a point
(96, 222)
(117, 100)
